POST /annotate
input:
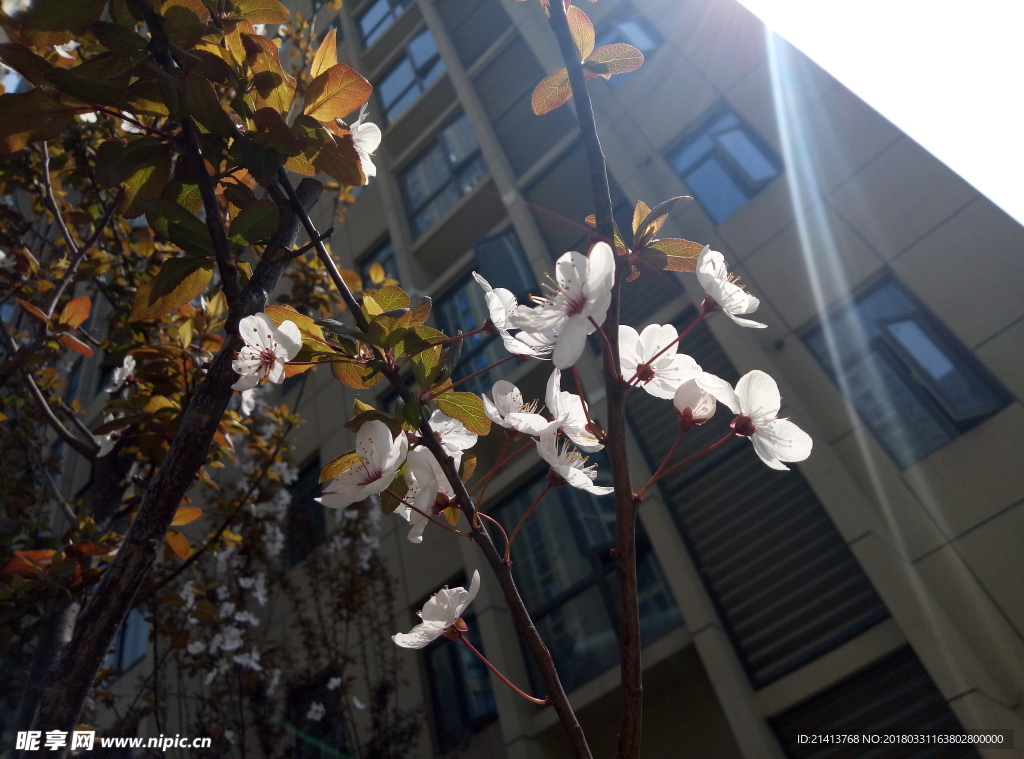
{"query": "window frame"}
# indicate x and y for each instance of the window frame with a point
(611, 33)
(395, 9)
(419, 79)
(454, 170)
(885, 347)
(707, 129)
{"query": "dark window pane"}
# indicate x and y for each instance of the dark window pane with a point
(716, 190)
(394, 85)
(379, 17)
(307, 525)
(410, 78)
(422, 50)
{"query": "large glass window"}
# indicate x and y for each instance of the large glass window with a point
(461, 695)
(411, 76)
(631, 28)
(565, 573)
(500, 260)
(911, 382)
(383, 254)
(443, 173)
(307, 526)
(380, 15)
(724, 164)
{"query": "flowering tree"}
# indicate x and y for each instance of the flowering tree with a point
(185, 114)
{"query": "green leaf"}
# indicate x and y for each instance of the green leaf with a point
(203, 105)
(672, 254)
(31, 66)
(54, 22)
(416, 339)
(343, 463)
(312, 335)
(147, 306)
(619, 58)
(185, 21)
(89, 90)
(391, 297)
(117, 38)
(262, 11)
(419, 313)
(341, 162)
(174, 271)
(653, 221)
(184, 194)
(272, 86)
(255, 223)
(29, 117)
(398, 486)
(179, 226)
(373, 415)
(355, 374)
(412, 415)
(239, 195)
(554, 90)
(141, 167)
(261, 162)
(466, 408)
(336, 93)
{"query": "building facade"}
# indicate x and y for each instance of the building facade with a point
(876, 587)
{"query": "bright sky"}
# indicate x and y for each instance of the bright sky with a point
(949, 74)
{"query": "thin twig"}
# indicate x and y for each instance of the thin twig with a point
(522, 521)
(694, 457)
(664, 463)
(481, 657)
(427, 516)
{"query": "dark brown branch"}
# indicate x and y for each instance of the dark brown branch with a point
(502, 571)
(625, 507)
(69, 685)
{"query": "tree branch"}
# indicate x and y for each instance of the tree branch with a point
(502, 571)
(73, 677)
(625, 507)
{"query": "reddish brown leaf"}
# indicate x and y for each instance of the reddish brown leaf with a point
(29, 117)
(28, 563)
(33, 311)
(272, 86)
(354, 374)
(553, 91)
(672, 254)
(619, 58)
(75, 312)
(582, 31)
(178, 543)
(336, 93)
(262, 11)
(147, 307)
(75, 344)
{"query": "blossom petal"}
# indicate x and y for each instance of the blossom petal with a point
(781, 440)
(654, 338)
(290, 339)
(531, 424)
(373, 443)
(759, 396)
(600, 275)
(474, 588)
(264, 329)
(746, 322)
(482, 282)
(246, 381)
(571, 272)
(420, 636)
(630, 350)
(720, 390)
(570, 343)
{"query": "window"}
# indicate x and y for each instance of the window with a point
(411, 76)
(461, 695)
(566, 576)
(724, 164)
(131, 641)
(335, 24)
(384, 255)
(501, 262)
(632, 29)
(322, 738)
(443, 173)
(911, 381)
(307, 526)
(378, 17)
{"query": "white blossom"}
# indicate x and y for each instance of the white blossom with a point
(569, 464)
(438, 614)
(247, 402)
(121, 374)
(658, 376)
(756, 401)
(273, 540)
(227, 610)
(571, 412)
(64, 51)
(88, 118)
(380, 456)
(272, 681)
(187, 593)
(287, 472)
(720, 286)
(366, 136)
(357, 703)
(316, 711)
(506, 408)
(454, 436)
(259, 591)
(334, 683)
(425, 480)
(694, 404)
(247, 616)
(501, 305)
(267, 349)
(577, 300)
(250, 660)
(196, 647)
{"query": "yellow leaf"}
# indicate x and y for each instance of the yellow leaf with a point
(178, 543)
(466, 408)
(639, 214)
(326, 55)
(377, 274)
(146, 306)
(273, 87)
(186, 515)
(672, 254)
(343, 463)
(582, 31)
(336, 93)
